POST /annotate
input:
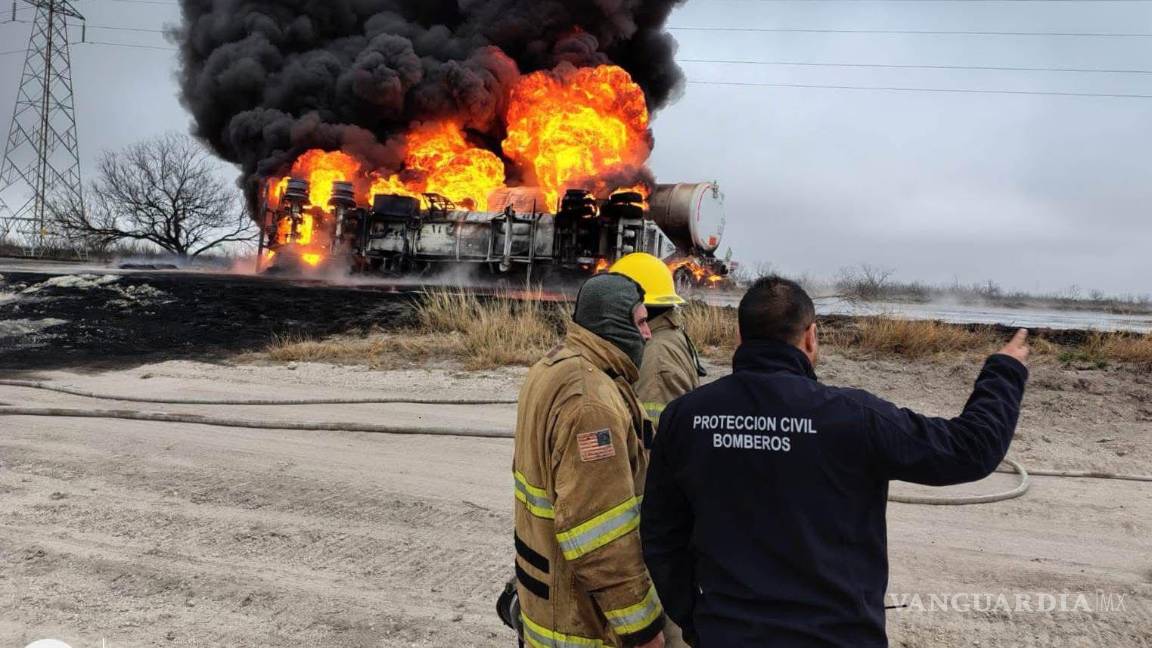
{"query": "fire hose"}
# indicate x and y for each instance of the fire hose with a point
(944, 500)
(306, 426)
(165, 417)
(384, 400)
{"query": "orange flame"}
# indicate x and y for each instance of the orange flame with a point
(276, 191)
(702, 275)
(639, 188)
(392, 185)
(447, 165)
(566, 128)
(321, 169)
(698, 271)
(573, 127)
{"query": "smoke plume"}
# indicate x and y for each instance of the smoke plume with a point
(267, 79)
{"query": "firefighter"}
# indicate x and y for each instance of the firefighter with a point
(764, 519)
(580, 460)
(671, 366)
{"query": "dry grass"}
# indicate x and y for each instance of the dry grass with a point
(493, 332)
(1102, 348)
(910, 338)
(711, 328)
(1120, 347)
(484, 333)
(377, 350)
(480, 333)
(714, 330)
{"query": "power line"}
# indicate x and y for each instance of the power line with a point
(934, 90)
(938, 1)
(147, 30)
(128, 29)
(915, 32)
(920, 67)
(137, 46)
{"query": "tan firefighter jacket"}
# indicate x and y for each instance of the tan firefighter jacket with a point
(671, 365)
(579, 472)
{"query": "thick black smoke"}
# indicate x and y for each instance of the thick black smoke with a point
(267, 79)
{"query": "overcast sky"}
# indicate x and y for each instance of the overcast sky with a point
(1034, 192)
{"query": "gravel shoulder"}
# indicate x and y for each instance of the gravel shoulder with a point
(179, 535)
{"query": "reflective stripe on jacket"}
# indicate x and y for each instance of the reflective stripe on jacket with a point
(671, 365)
(579, 473)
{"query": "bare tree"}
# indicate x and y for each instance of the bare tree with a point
(163, 191)
(865, 282)
(745, 274)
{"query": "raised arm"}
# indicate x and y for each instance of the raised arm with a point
(940, 452)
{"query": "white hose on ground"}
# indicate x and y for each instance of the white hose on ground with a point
(1086, 474)
(943, 500)
(164, 417)
(309, 426)
(383, 400)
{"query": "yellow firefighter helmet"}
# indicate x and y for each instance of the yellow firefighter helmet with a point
(653, 276)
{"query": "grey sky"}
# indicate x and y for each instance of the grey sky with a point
(1034, 192)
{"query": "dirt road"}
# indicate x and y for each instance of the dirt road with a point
(182, 535)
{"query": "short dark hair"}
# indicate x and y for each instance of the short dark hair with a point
(776, 308)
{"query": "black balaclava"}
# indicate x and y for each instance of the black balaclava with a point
(605, 306)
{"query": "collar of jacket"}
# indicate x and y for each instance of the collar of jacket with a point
(673, 319)
(770, 356)
(602, 353)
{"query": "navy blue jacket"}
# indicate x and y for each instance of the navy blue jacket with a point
(763, 518)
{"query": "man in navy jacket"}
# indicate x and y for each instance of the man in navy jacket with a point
(763, 522)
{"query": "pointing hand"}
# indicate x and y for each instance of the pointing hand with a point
(1018, 347)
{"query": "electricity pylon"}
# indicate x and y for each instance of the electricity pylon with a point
(42, 153)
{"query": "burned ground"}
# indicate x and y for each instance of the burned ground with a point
(53, 321)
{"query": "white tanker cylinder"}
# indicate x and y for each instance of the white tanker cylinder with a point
(691, 214)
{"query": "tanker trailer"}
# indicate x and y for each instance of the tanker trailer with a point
(693, 217)
(407, 235)
(403, 235)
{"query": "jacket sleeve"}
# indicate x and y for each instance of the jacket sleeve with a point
(666, 529)
(942, 452)
(663, 378)
(598, 517)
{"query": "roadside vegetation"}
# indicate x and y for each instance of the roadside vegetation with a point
(478, 332)
(126, 252)
(163, 193)
(869, 283)
(489, 332)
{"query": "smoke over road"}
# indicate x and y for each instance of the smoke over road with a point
(267, 80)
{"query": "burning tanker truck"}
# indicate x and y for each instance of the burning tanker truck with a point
(403, 235)
(401, 136)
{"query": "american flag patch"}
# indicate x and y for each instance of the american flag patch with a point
(595, 446)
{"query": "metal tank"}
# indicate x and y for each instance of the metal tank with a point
(402, 231)
(691, 214)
